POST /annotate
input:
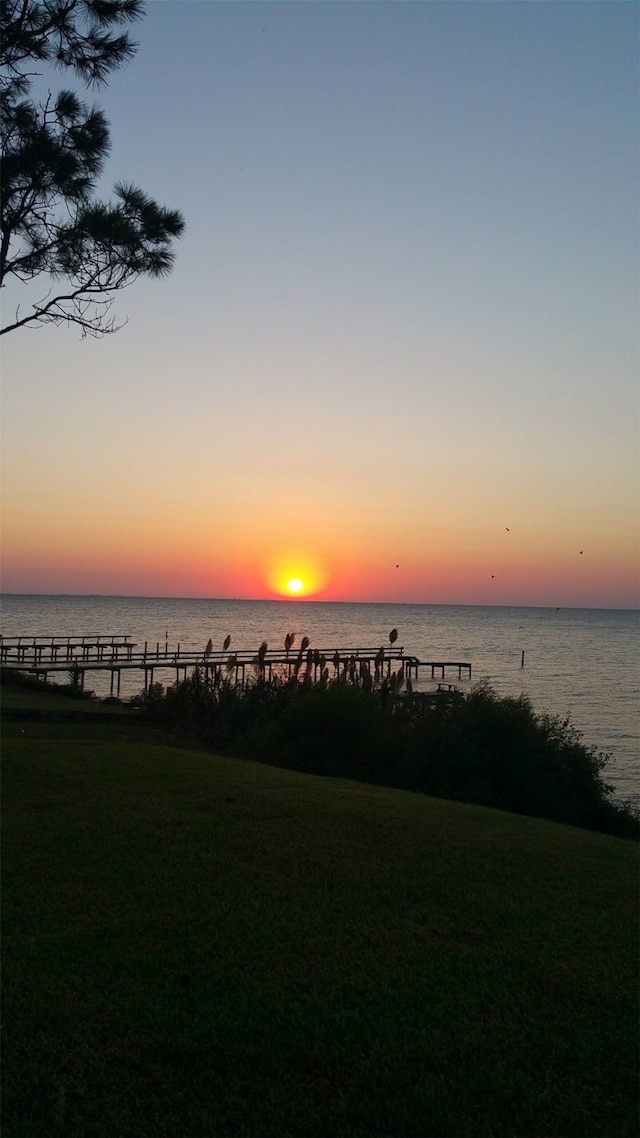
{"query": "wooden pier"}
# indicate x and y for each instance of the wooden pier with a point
(115, 654)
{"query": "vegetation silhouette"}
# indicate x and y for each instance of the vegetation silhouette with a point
(53, 153)
(477, 748)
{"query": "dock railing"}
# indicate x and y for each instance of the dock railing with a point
(117, 653)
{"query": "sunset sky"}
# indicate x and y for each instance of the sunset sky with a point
(398, 357)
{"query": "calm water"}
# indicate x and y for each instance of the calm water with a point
(584, 662)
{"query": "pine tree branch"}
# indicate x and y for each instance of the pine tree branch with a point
(81, 301)
(52, 153)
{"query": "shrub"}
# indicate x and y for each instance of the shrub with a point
(477, 748)
(340, 729)
(498, 752)
(33, 683)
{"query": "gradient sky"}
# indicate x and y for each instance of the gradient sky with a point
(404, 316)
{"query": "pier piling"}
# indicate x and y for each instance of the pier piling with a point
(115, 654)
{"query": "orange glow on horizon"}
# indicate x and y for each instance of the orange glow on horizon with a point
(116, 554)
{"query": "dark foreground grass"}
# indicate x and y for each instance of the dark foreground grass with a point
(196, 946)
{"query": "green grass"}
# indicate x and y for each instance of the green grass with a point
(199, 946)
(27, 693)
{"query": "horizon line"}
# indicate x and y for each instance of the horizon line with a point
(310, 600)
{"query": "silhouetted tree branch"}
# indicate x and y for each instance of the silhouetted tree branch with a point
(52, 154)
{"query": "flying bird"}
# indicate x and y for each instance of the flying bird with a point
(581, 552)
(507, 529)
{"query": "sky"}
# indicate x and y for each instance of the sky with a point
(398, 356)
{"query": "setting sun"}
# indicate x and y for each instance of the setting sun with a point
(294, 573)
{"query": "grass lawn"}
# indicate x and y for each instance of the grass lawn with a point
(199, 946)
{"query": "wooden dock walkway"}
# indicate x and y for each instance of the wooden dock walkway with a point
(42, 656)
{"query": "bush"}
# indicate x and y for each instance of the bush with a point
(339, 730)
(498, 752)
(478, 748)
(24, 680)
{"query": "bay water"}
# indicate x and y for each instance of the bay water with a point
(584, 663)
